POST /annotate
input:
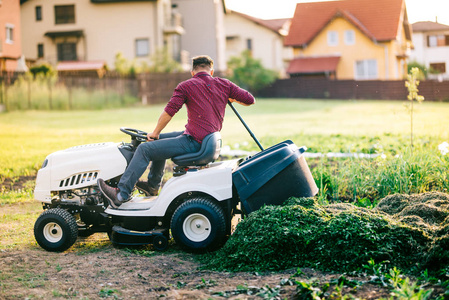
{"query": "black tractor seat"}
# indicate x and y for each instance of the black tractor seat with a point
(209, 152)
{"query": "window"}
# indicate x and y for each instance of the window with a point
(366, 69)
(38, 13)
(349, 37)
(249, 44)
(40, 50)
(64, 14)
(439, 68)
(437, 40)
(67, 51)
(9, 33)
(142, 47)
(332, 38)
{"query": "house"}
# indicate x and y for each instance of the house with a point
(431, 48)
(263, 38)
(203, 21)
(350, 39)
(10, 32)
(96, 30)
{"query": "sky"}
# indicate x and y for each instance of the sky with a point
(417, 10)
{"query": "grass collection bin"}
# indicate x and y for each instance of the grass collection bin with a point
(272, 176)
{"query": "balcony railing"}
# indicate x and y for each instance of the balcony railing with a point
(174, 25)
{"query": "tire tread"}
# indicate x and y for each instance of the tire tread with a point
(221, 233)
(68, 219)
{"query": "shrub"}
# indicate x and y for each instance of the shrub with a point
(248, 72)
(162, 62)
(43, 69)
(423, 71)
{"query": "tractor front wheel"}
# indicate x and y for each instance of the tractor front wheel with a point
(56, 230)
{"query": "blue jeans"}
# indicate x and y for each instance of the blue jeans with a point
(167, 146)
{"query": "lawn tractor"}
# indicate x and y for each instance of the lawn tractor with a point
(195, 206)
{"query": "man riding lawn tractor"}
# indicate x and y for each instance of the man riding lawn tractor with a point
(87, 189)
(206, 98)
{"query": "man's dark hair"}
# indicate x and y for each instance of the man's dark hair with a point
(202, 62)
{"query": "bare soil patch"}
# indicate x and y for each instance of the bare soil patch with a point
(115, 273)
(93, 268)
(17, 183)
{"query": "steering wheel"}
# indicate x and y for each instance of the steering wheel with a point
(138, 135)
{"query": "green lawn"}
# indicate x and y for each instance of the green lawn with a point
(323, 126)
(27, 137)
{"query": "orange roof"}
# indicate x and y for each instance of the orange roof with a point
(429, 26)
(379, 19)
(309, 65)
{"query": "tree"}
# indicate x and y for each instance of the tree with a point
(248, 72)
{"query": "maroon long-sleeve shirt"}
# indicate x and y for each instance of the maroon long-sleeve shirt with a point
(205, 98)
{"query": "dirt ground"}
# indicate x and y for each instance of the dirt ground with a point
(94, 269)
(118, 274)
(8, 184)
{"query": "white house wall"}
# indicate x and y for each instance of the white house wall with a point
(108, 28)
(203, 25)
(428, 55)
(266, 44)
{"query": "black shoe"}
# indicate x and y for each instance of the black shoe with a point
(145, 188)
(110, 193)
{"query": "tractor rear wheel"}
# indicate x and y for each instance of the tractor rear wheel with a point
(199, 225)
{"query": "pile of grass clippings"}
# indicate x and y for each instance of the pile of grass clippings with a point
(430, 213)
(410, 232)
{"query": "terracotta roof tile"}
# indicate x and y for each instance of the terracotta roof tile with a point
(310, 65)
(429, 26)
(380, 18)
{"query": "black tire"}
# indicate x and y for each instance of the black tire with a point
(199, 225)
(160, 243)
(56, 230)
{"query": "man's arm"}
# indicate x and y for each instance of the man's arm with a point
(241, 103)
(163, 120)
(240, 96)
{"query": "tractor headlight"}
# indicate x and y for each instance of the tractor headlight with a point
(44, 163)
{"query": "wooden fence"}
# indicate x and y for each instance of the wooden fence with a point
(149, 88)
(351, 89)
(158, 87)
(111, 84)
(155, 88)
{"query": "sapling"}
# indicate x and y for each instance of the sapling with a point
(412, 83)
